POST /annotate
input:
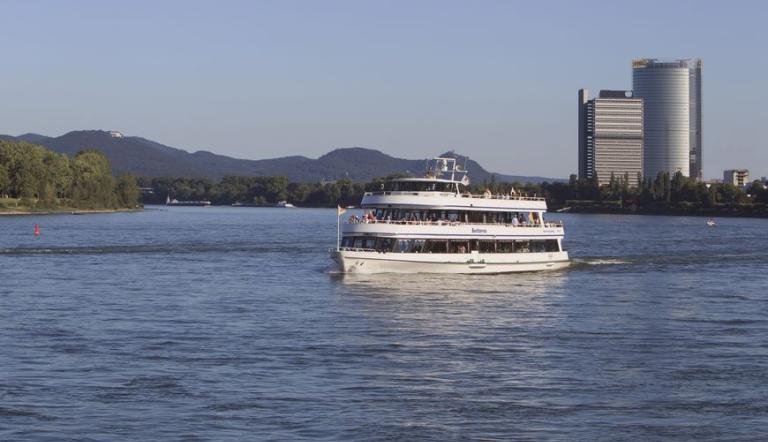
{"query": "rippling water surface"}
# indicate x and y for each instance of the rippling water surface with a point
(225, 324)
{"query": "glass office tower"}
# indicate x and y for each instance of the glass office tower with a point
(671, 93)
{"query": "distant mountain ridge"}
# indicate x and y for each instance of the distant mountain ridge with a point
(144, 157)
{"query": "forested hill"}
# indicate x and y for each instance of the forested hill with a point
(143, 157)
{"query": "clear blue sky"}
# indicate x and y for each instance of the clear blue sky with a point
(497, 80)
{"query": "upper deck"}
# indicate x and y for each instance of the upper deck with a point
(445, 187)
(452, 201)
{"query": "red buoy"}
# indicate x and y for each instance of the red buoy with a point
(37, 230)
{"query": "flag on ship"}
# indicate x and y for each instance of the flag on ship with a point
(340, 210)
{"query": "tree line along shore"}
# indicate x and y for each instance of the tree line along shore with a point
(676, 195)
(36, 180)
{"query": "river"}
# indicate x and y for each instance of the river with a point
(224, 324)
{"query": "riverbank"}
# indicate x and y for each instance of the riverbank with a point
(734, 211)
(62, 211)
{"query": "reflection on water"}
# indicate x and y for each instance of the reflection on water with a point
(517, 286)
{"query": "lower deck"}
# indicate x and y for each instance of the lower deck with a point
(443, 245)
(355, 261)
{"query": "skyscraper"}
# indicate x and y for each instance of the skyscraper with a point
(694, 86)
(610, 136)
(671, 93)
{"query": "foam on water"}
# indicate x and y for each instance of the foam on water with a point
(602, 262)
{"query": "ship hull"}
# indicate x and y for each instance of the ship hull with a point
(467, 263)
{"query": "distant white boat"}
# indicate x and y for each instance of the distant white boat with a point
(284, 204)
(711, 222)
(175, 202)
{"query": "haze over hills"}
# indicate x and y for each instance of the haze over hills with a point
(144, 157)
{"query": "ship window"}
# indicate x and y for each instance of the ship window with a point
(475, 217)
(459, 247)
(486, 246)
(522, 247)
(348, 241)
(364, 243)
(436, 246)
(384, 244)
(505, 246)
(551, 245)
(408, 245)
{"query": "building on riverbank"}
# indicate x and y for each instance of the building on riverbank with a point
(610, 136)
(737, 177)
(671, 93)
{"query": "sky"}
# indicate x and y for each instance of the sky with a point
(495, 80)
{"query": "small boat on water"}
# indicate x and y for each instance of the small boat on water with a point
(281, 204)
(711, 222)
(175, 202)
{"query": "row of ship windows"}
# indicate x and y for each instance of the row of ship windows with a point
(618, 127)
(419, 186)
(474, 217)
(449, 246)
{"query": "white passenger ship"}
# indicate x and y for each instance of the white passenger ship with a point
(434, 225)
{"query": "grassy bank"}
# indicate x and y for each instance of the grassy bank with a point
(18, 206)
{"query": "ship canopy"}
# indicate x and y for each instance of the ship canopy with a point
(442, 175)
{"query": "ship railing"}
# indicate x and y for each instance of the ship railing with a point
(463, 195)
(450, 223)
(410, 193)
(356, 249)
(501, 196)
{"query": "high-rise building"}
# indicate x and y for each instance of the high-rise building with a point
(610, 136)
(694, 88)
(671, 93)
(737, 177)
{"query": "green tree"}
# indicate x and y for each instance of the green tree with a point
(93, 184)
(127, 190)
(5, 180)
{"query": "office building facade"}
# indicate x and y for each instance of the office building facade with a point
(610, 136)
(671, 93)
(737, 177)
(694, 96)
